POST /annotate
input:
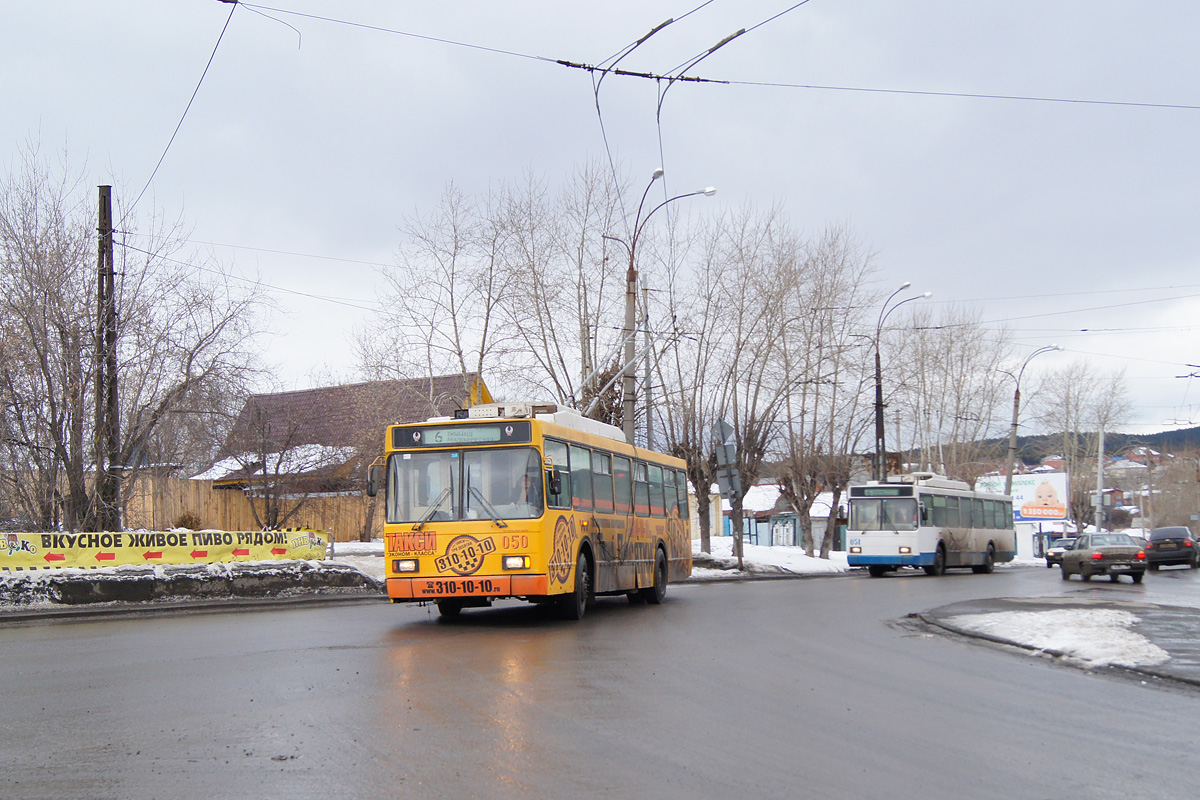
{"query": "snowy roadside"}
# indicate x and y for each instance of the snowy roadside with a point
(1095, 637)
(719, 564)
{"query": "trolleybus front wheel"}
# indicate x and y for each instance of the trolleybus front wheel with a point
(574, 604)
(449, 608)
(938, 567)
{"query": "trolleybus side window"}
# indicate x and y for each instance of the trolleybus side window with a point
(641, 489)
(602, 481)
(623, 482)
(991, 514)
(952, 512)
(977, 518)
(670, 492)
(559, 475)
(657, 505)
(581, 478)
(937, 509)
(681, 484)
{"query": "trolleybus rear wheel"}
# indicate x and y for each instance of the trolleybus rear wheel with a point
(655, 594)
(989, 563)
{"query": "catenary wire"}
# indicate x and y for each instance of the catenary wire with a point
(233, 7)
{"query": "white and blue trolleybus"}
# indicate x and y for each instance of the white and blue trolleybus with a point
(924, 520)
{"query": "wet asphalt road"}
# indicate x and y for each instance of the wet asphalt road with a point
(804, 688)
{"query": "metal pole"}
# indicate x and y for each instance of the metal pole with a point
(1100, 483)
(1012, 442)
(627, 384)
(1012, 436)
(880, 447)
(647, 390)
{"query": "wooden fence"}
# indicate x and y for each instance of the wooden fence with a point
(160, 503)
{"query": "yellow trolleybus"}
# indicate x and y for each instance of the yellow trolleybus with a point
(528, 501)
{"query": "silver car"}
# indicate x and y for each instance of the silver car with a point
(1111, 554)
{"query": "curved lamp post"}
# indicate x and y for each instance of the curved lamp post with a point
(1012, 434)
(631, 288)
(880, 465)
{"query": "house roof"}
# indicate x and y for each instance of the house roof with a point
(338, 418)
(346, 415)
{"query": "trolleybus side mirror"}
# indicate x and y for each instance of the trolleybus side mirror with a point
(374, 479)
(924, 513)
(555, 483)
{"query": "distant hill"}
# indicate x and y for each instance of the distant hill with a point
(1032, 449)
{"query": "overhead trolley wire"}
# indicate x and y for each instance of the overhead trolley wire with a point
(232, 7)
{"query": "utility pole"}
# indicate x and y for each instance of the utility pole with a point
(646, 388)
(1100, 483)
(106, 491)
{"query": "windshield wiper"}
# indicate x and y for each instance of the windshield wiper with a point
(433, 509)
(487, 507)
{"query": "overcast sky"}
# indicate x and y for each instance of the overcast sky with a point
(303, 151)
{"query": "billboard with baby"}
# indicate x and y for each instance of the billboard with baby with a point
(1037, 497)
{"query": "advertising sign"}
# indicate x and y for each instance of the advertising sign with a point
(1037, 497)
(21, 551)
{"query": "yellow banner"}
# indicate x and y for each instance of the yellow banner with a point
(21, 551)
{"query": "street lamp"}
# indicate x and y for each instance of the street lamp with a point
(631, 288)
(1012, 434)
(880, 465)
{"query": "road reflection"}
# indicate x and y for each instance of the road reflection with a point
(487, 682)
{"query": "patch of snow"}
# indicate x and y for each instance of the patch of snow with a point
(1096, 638)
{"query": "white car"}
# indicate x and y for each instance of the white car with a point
(1054, 552)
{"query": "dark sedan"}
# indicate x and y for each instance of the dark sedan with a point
(1111, 554)
(1172, 545)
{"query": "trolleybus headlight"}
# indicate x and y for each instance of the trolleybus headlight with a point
(905, 551)
(405, 565)
(855, 549)
(516, 562)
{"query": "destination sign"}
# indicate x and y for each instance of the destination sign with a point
(881, 491)
(454, 434)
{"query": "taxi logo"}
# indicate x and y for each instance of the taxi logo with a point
(464, 555)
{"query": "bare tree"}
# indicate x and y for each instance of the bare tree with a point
(185, 328)
(280, 472)
(518, 284)
(733, 316)
(440, 307)
(952, 390)
(1079, 404)
(823, 423)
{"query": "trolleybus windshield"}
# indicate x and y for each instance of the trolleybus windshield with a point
(883, 514)
(434, 485)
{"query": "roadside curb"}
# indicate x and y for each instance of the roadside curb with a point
(1181, 668)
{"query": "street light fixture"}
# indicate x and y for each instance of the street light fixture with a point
(1012, 434)
(880, 466)
(631, 288)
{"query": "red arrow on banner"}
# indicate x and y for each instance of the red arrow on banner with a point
(199, 554)
(241, 552)
(278, 551)
(55, 557)
(148, 555)
(106, 556)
